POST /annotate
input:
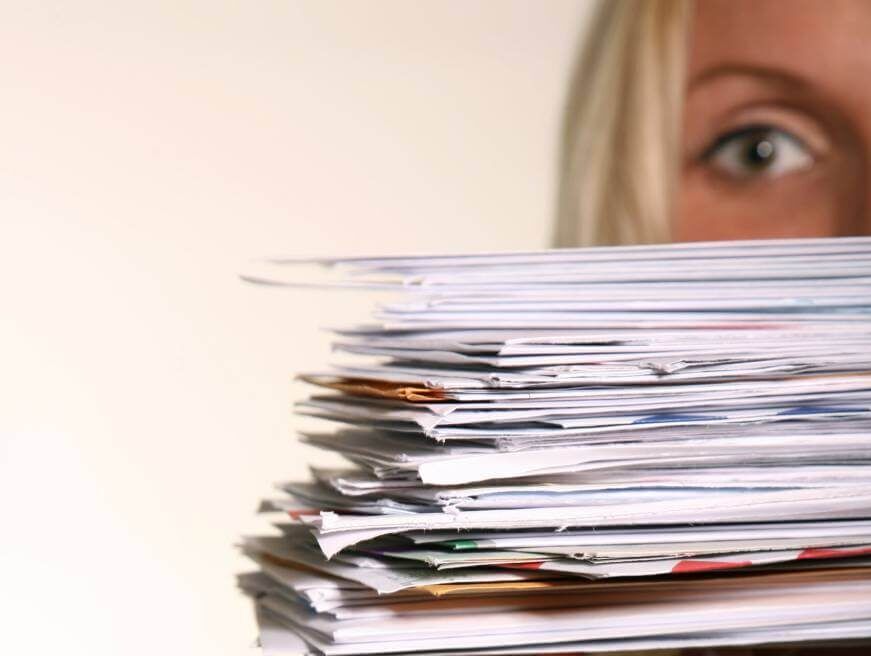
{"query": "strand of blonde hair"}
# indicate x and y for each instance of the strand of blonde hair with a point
(621, 137)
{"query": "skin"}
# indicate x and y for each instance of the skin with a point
(777, 123)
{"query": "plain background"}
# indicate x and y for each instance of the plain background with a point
(147, 151)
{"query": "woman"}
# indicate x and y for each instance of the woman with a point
(719, 119)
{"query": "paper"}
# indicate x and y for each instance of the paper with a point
(585, 450)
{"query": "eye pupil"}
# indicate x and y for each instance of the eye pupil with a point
(760, 153)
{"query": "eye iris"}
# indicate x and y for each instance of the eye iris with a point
(760, 152)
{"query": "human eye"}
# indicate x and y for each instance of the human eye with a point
(758, 151)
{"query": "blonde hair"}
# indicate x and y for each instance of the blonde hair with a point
(621, 135)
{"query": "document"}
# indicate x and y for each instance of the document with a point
(585, 450)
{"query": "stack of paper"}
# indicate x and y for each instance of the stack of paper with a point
(585, 450)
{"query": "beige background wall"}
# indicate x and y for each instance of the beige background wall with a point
(147, 149)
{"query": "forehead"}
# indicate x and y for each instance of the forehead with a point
(825, 43)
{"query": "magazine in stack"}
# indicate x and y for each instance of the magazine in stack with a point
(586, 450)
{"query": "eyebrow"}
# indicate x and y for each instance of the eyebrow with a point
(772, 75)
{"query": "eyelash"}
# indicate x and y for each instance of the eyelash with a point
(745, 131)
